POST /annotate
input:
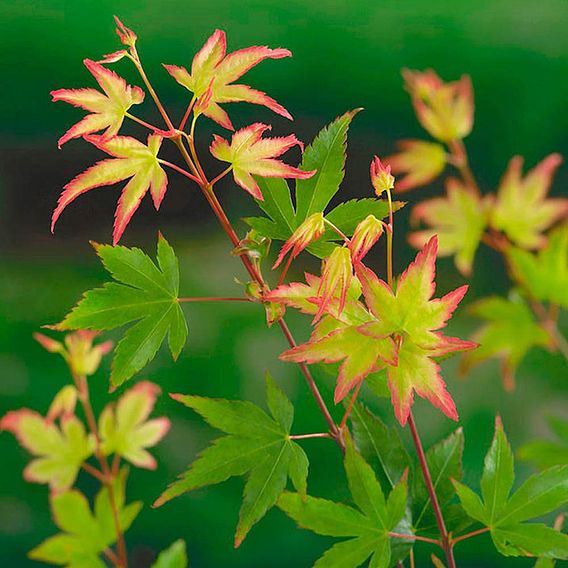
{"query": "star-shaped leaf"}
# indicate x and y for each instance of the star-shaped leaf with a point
(131, 159)
(511, 331)
(143, 293)
(459, 219)
(412, 314)
(249, 154)
(368, 526)
(85, 533)
(213, 74)
(257, 445)
(107, 109)
(325, 155)
(544, 274)
(126, 430)
(505, 514)
(59, 450)
(522, 210)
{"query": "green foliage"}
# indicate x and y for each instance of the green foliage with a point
(326, 154)
(509, 335)
(380, 446)
(368, 525)
(257, 445)
(85, 534)
(143, 293)
(505, 514)
(544, 274)
(175, 556)
(543, 453)
(445, 464)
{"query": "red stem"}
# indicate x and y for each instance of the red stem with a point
(469, 535)
(180, 170)
(207, 299)
(445, 539)
(415, 537)
(187, 113)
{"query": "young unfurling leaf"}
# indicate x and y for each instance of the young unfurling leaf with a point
(544, 274)
(459, 220)
(213, 74)
(511, 331)
(522, 210)
(368, 526)
(257, 445)
(131, 159)
(107, 109)
(59, 450)
(249, 153)
(505, 514)
(85, 534)
(125, 429)
(143, 293)
(421, 161)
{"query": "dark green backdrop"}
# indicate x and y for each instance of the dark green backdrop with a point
(346, 54)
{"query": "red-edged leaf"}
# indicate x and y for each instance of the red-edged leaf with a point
(211, 68)
(250, 154)
(131, 159)
(107, 109)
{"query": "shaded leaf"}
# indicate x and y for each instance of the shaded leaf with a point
(174, 556)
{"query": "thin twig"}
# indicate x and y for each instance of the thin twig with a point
(415, 537)
(180, 170)
(306, 436)
(187, 113)
(469, 535)
(350, 407)
(212, 299)
(94, 472)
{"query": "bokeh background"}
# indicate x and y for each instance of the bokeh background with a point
(347, 54)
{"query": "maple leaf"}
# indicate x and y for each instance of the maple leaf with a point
(511, 331)
(125, 430)
(421, 161)
(257, 445)
(505, 514)
(86, 534)
(131, 159)
(142, 293)
(412, 314)
(249, 153)
(544, 274)
(368, 525)
(522, 210)
(59, 450)
(213, 72)
(459, 219)
(107, 109)
(326, 155)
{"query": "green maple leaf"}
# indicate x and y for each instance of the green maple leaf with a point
(459, 219)
(59, 450)
(175, 556)
(505, 514)
(85, 533)
(544, 274)
(143, 293)
(326, 154)
(368, 526)
(510, 333)
(257, 445)
(544, 453)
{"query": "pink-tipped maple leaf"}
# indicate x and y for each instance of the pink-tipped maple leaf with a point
(411, 314)
(107, 109)
(214, 70)
(131, 159)
(250, 154)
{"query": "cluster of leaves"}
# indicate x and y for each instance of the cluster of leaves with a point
(385, 331)
(514, 220)
(62, 444)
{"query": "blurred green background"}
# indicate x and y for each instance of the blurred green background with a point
(347, 54)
